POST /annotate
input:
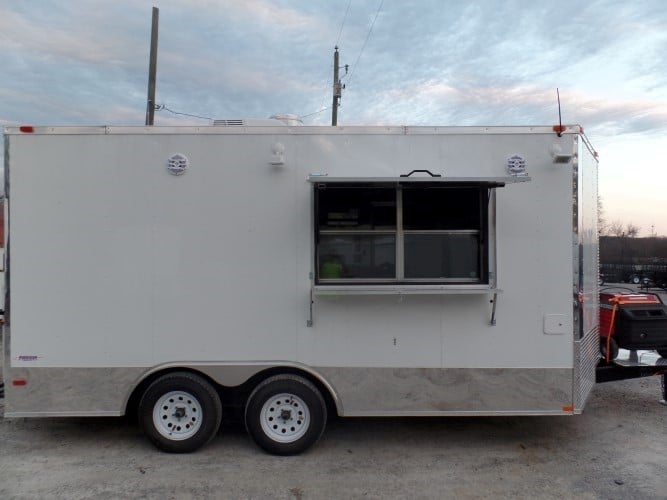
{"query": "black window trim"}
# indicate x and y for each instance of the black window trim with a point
(399, 281)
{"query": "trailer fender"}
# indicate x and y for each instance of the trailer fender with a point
(234, 375)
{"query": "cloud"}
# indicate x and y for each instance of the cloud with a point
(615, 117)
(264, 14)
(460, 63)
(57, 36)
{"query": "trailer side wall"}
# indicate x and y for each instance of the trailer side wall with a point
(119, 268)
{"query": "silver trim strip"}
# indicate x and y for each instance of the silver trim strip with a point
(356, 391)
(107, 391)
(452, 391)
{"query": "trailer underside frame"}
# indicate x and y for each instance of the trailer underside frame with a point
(631, 365)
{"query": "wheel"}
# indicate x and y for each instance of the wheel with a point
(180, 412)
(662, 352)
(613, 348)
(285, 415)
(636, 280)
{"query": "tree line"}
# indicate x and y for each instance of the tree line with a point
(616, 227)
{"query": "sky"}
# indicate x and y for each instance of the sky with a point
(427, 62)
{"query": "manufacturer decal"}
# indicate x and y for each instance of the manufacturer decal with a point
(27, 358)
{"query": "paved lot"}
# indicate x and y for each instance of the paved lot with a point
(616, 450)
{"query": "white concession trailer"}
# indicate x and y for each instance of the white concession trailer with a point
(298, 271)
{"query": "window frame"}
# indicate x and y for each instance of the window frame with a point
(485, 237)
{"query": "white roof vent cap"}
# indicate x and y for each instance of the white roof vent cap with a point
(287, 119)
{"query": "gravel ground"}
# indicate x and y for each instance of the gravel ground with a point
(615, 450)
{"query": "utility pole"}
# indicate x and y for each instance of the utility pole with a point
(337, 89)
(152, 68)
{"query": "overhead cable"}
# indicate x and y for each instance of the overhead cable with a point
(160, 107)
(343, 23)
(370, 29)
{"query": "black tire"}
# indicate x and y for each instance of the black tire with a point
(285, 415)
(636, 280)
(662, 352)
(613, 348)
(180, 412)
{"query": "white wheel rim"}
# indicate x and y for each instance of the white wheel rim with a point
(177, 415)
(285, 418)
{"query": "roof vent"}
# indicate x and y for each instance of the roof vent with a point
(251, 122)
(229, 123)
(287, 119)
(273, 121)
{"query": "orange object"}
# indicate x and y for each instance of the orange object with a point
(609, 306)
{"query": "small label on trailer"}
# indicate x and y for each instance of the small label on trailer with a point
(27, 358)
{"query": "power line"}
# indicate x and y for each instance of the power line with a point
(315, 112)
(377, 13)
(160, 107)
(343, 23)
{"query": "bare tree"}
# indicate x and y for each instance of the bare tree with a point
(616, 228)
(602, 222)
(631, 230)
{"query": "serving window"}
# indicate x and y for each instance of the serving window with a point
(401, 233)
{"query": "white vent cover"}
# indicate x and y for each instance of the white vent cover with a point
(229, 123)
(516, 165)
(177, 164)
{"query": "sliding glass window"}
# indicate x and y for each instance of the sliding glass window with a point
(400, 233)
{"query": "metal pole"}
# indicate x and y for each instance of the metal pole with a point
(152, 68)
(336, 91)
